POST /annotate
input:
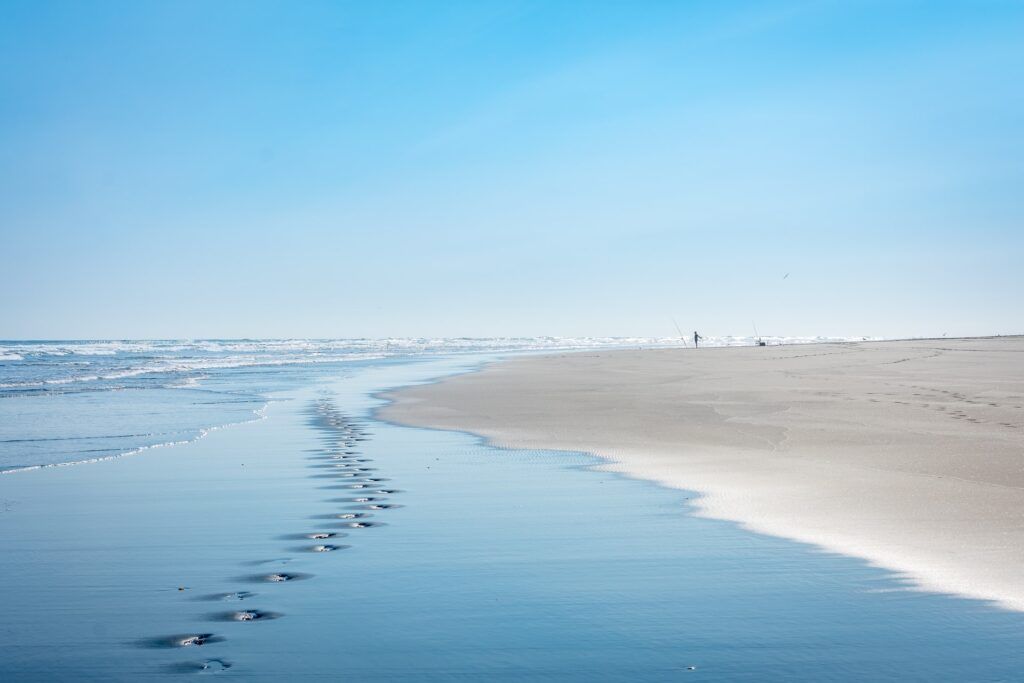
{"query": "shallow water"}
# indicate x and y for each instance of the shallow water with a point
(492, 565)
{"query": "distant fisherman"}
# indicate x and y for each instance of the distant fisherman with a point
(696, 338)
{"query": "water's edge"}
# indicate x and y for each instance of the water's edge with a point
(702, 503)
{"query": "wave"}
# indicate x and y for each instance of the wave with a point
(259, 414)
(53, 364)
(180, 366)
(18, 350)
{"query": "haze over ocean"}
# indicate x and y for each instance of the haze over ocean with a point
(333, 169)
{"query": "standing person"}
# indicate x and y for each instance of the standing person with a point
(696, 338)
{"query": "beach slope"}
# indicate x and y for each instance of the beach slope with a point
(909, 454)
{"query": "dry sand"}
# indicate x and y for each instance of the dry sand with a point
(909, 454)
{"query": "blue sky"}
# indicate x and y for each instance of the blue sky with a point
(326, 169)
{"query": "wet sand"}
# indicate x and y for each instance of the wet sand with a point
(198, 520)
(909, 454)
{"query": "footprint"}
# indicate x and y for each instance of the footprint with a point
(237, 596)
(362, 525)
(356, 499)
(245, 615)
(182, 640)
(276, 577)
(326, 548)
(210, 666)
(341, 515)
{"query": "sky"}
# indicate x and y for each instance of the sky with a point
(331, 169)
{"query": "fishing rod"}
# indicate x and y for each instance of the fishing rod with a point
(757, 336)
(681, 336)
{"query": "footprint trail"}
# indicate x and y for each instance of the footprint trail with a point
(342, 459)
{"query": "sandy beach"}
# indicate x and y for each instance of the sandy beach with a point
(909, 454)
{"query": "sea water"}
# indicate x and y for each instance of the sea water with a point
(466, 562)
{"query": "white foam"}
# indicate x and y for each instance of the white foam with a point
(186, 357)
(258, 414)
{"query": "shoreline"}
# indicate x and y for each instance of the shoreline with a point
(906, 453)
